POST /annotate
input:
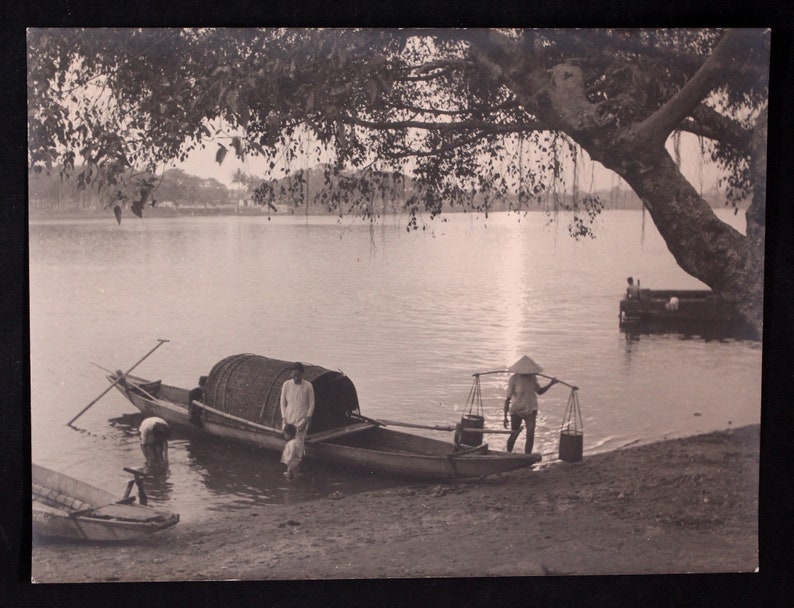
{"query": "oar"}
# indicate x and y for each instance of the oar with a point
(110, 371)
(160, 342)
(437, 427)
(137, 386)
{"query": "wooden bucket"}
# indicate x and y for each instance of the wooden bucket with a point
(469, 437)
(571, 445)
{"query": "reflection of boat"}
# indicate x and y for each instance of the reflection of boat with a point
(241, 404)
(678, 309)
(65, 507)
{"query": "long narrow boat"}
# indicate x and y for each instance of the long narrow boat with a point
(675, 307)
(64, 507)
(240, 405)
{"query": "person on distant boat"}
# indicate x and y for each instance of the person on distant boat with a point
(291, 456)
(154, 432)
(297, 403)
(522, 402)
(632, 291)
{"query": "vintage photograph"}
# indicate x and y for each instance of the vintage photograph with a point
(370, 303)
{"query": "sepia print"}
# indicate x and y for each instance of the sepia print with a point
(381, 303)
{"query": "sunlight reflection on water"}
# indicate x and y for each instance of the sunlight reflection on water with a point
(409, 317)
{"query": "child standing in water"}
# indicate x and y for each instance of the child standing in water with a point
(291, 456)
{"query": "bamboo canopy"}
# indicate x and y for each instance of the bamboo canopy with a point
(249, 386)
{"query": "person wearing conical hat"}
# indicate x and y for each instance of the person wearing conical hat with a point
(522, 402)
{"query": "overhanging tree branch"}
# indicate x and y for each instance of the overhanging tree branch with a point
(662, 122)
(444, 127)
(713, 125)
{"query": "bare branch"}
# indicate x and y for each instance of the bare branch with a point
(710, 123)
(662, 122)
(468, 111)
(444, 127)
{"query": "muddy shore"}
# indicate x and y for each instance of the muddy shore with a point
(681, 506)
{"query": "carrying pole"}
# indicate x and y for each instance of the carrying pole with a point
(505, 371)
(160, 342)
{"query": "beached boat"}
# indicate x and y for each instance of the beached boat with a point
(240, 404)
(677, 307)
(64, 507)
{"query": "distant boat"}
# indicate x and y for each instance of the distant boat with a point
(674, 308)
(64, 507)
(241, 404)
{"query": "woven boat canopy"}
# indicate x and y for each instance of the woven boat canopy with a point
(249, 386)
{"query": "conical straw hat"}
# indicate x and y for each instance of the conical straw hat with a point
(525, 365)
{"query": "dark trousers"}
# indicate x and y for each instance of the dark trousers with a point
(515, 426)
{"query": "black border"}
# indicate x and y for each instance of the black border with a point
(770, 588)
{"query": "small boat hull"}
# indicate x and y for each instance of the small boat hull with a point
(65, 507)
(366, 446)
(677, 309)
(367, 451)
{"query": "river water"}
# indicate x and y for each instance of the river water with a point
(408, 316)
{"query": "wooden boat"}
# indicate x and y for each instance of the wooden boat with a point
(240, 405)
(677, 307)
(65, 507)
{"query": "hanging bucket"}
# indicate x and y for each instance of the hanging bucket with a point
(471, 437)
(572, 430)
(571, 445)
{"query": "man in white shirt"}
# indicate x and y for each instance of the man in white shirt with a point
(297, 402)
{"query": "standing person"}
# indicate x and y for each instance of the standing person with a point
(154, 434)
(292, 454)
(297, 403)
(522, 402)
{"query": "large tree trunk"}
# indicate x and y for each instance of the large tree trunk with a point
(703, 245)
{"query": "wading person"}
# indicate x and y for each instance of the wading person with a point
(522, 402)
(154, 434)
(292, 454)
(297, 404)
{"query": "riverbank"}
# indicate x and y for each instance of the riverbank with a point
(684, 505)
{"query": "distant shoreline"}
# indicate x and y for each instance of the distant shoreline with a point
(165, 212)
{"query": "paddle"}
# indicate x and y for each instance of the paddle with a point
(160, 342)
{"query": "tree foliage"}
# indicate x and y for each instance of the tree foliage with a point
(473, 115)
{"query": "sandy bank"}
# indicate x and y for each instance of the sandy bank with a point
(686, 505)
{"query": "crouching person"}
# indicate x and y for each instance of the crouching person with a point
(154, 434)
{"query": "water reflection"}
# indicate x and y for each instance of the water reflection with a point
(158, 486)
(689, 330)
(240, 477)
(407, 317)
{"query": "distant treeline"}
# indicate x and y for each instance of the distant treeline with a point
(177, 189)
(180, 190)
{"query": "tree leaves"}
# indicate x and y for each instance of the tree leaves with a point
(221, 154)
(274, 87)
(237, 144)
